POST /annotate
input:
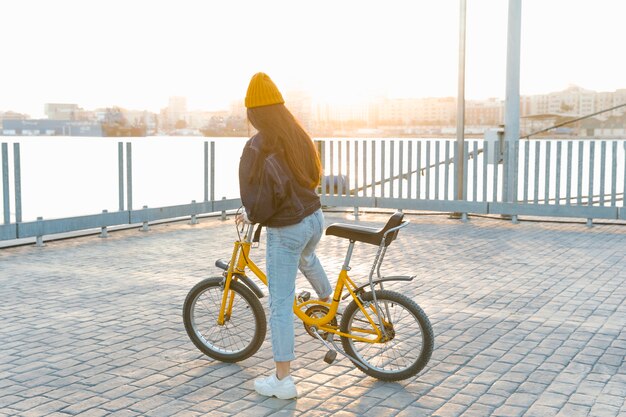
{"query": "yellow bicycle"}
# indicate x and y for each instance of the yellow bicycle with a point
(384, 333)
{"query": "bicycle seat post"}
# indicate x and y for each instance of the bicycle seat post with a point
(346, 262)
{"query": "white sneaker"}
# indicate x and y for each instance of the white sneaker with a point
(284, 389)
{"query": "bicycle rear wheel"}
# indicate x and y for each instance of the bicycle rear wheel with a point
(241, 335)
(410, 336)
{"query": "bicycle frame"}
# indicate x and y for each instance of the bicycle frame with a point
(240, 260)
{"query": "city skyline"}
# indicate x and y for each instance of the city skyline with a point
(297, 96)
(140, 53)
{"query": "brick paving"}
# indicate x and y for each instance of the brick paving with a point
(529, 320)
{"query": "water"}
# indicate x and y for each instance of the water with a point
(72, 176)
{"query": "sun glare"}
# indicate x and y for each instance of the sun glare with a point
(339, 52)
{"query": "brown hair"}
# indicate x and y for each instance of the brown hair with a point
(283, 134)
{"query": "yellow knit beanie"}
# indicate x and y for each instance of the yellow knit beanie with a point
(262, 92)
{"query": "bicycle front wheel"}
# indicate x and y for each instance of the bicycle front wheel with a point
(242, 333)
(409, 342)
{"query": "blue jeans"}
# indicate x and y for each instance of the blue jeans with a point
(291, 248)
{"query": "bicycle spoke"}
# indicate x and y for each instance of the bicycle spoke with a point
(405, 344)
(236, 332)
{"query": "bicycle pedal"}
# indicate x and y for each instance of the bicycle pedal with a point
(330, 357)
(304, 296)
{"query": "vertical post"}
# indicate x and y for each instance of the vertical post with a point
(602, 171)
(129, 176)
(333, 184)
(446, 172)
(400, 169)
(120, 174)
(427, 168)
(364, 193)
(592, 170)
(382, 168)
(206, 171)
(486, 151)
(18, 182)
(474, 172)
(5, 184)
(409, 169)
(614, 174)
(460, 104)
(512, 100)
(437, 168)
(103, 229)
(212, 171)
(373, 189)
(39, 238)
(340, 177)
(322, 156)
(194, 216)
(418, 170)
(356, 177)
(145, 225)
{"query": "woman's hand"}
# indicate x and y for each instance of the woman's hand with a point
(242, 218)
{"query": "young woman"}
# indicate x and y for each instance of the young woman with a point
(279, 171)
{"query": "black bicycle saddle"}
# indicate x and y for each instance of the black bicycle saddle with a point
(367, 234)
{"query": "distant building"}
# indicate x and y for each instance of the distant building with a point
(175, 111)
(44, 127)
(65, 111)
(11, 115)
(484, 112)
(573, 100)
(416, 111)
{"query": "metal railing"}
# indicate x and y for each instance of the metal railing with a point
(552, 178)
(13, 226)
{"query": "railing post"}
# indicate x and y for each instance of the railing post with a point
(212, 171)
(224, 211)
(129, 176)
(206, 171)
(103, 230)
(39, 238)
(194, 218)
(145, 227)
(5, 184)
(120, 174)
(18, 182)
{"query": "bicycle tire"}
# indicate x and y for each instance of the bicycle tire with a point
(242, 334)
(411, 344)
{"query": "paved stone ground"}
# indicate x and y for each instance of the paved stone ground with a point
(529, 320)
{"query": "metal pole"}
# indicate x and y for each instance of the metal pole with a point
(212, 171)
(18, 182)
(206, 171)
(129, 176)
(5, 184)
(120, 169)
(512, 100)
(460, 108)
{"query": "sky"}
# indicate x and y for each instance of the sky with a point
(138, 53)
